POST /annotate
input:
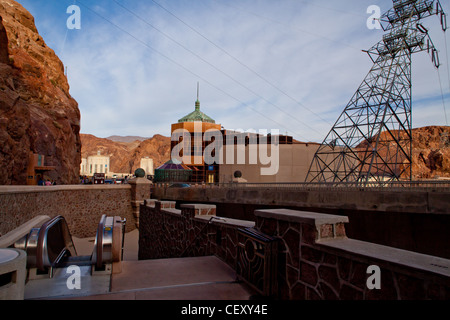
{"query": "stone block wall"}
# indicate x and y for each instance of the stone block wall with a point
(81, 205)
(166, 232)
(315, 258)
(317, 261)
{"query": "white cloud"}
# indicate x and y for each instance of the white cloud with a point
(308, 51)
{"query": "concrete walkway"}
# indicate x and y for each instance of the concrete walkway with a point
(198, 278)
(84, 246)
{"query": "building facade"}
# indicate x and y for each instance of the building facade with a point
(189, 143)
(95, 164)
(147, 165)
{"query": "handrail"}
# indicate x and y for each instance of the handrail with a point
(103, 242)
(98, 257)
(53, 243)
(435, 185)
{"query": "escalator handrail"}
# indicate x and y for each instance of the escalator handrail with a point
(99, 242)
(42, 258)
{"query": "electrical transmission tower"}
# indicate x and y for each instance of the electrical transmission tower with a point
(372, 139)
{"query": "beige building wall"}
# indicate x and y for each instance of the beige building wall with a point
(95, 164)
(294, 162)
(147, 165)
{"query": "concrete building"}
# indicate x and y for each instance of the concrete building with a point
(190, 144)
(95, 164)
(258, 157)
(289, 163)
(147, 165)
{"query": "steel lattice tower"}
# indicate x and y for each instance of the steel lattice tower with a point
(372, 140)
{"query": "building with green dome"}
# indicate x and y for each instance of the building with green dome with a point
(197, 123)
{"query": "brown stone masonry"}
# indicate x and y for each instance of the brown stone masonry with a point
(315, 258)
(81, 205)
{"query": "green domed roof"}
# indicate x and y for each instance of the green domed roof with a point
(196, 115)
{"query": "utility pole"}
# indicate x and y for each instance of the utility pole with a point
(372, 138)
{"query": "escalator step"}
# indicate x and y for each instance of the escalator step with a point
(78, 261)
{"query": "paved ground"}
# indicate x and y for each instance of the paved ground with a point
(85, 246)
(199, 278)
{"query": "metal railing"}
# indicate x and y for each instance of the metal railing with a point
(428, 185)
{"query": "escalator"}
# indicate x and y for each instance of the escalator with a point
(51, 247)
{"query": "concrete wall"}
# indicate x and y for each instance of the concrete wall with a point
(416, 220)
(293, 164)
(81, 205)
(406, 200)
(315, 260)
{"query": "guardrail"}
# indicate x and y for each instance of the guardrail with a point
(429, 185)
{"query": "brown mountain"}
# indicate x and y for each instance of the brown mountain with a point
(126, 139)
(119, 152)
(431, 152)
(126, 157)
(37, 113)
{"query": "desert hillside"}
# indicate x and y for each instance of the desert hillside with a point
(431, 151)
(126, 156)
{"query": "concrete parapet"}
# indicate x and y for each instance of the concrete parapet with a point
(140, 190)
(14, 235)
(81, 205)
(378, 199)
(318, 261)
(192, 210)
(12, 274)
(315, 258)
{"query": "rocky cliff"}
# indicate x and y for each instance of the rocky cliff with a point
(37, 113)
(431, 152)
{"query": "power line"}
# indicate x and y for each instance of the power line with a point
(183, 67)
(241, 63)
(442, 95)
(448, 61)
(216, 68)
(288, 26)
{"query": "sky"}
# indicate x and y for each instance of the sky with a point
(288, 65)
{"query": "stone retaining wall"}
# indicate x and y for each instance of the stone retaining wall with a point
(166, 232)
(315, 258)
(317, 261)
(81, 205)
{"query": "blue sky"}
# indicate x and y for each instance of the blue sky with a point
(290, 65)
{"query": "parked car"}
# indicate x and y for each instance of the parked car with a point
(180, 185)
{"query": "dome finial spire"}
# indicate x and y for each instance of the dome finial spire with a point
(197, 103)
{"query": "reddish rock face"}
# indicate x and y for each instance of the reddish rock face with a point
(3, 43)
(37, 113)
(126, 156)
(431, 152)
